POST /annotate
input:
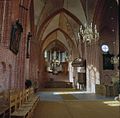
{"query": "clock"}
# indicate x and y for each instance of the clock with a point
(105, 48)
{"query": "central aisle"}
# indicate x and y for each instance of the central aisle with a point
(75, 105)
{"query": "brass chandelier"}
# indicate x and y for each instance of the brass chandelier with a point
(89, 32)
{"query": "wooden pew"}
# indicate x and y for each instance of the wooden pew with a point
(4, 104)
(13, 102)
(27, 103)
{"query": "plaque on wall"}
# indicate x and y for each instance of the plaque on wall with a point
(16, 32)
(107, 65)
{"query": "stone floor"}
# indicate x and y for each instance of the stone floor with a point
(75, 104)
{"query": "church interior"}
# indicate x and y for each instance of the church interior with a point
(59, 59)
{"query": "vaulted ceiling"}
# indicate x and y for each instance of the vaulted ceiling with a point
(59, 20)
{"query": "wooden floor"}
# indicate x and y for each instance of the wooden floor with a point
(76, 108)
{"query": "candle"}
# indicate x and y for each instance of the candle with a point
(95, 26)
(82, 31)
(78, 35)
(91, 25)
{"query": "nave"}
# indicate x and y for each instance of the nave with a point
(59, 58)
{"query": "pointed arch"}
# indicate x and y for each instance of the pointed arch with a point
(41, 27)
(53, 42)
(58, 29)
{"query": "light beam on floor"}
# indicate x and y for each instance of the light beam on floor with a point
(112, 103)
(70, 92)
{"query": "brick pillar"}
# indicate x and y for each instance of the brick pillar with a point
(21, 56)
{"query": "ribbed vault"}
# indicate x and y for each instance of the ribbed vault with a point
(68, 15)
(61, 36)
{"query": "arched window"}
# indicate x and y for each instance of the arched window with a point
(3, 67)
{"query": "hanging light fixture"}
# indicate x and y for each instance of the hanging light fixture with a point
(55, 62)
(115, 59)
(89, 32)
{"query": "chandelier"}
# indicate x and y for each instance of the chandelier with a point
(115, 59)
(55, 65)
(89, 33)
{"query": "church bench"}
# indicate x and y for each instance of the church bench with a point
(4, 112)
(27, 106)
(4, 105)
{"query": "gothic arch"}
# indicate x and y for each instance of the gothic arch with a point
(52, 16)
(58, 29)
(3, 67)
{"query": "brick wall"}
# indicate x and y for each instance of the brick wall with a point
(7, 58)
(12, 66)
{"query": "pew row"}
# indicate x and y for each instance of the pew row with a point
(23, 103)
